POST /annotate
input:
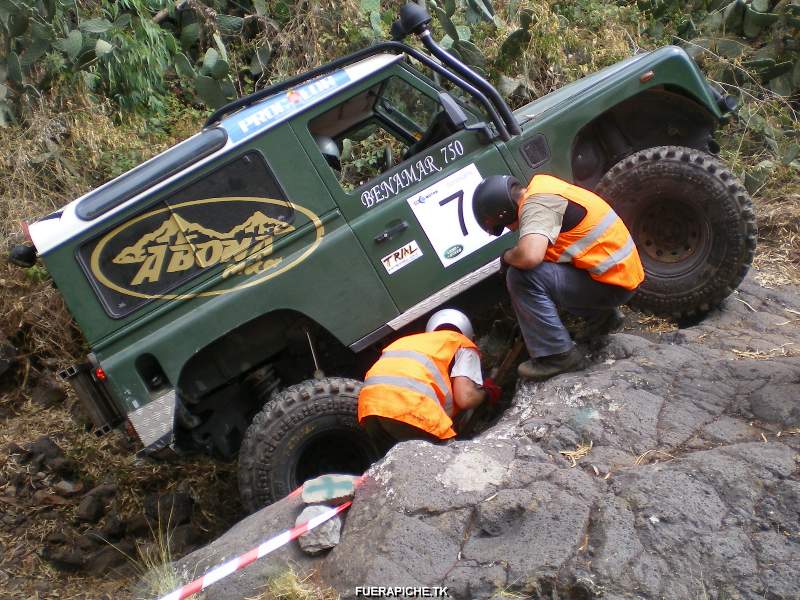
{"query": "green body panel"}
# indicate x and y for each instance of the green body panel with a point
(197, 323)
(174, 330)
(344, 282)
(560, 115)
(427, 274)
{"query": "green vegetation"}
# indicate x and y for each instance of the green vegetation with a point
(91, 88)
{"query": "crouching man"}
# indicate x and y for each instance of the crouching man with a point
(423, 382)
(573, 252)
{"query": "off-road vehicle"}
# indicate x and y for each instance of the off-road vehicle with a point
(216, 282)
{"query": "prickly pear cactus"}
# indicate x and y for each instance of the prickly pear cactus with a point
(759, 37)
(211, 81)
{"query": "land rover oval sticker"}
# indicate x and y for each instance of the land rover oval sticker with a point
(154, 253)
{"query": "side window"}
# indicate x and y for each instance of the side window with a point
(408, 105)
(368, 151)
(228, 218)
(378, 129)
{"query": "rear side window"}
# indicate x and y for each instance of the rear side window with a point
(227, 220)
(149, 174)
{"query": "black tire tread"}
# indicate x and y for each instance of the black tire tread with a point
(722, 284)
(287, 409)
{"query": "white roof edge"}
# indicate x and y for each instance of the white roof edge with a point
(47, 234)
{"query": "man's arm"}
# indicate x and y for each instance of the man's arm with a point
(466, 393)
(467, 378)
(539, 225)
(528, 253)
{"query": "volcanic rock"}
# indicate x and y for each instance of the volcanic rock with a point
(91, 509)
(48, 393)
(668, 469)
(68, 488)
(170, 509)
(322, 537)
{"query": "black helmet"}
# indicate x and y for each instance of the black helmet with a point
(330, 150)
(493, 203)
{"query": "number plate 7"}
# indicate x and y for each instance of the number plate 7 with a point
(444, 210)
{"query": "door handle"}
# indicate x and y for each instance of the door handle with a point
(392, 231)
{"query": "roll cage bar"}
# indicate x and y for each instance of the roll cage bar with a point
(502, 124)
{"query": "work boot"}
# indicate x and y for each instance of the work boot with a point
(603, 323)
(547, 366)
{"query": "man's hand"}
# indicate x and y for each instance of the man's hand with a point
(528, 253)
(493, 391)
(503, 265)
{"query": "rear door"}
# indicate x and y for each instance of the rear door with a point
(406, 183)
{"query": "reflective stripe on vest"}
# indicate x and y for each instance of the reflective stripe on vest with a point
(411, 382)
(615, 258)
(402, 382)
(576, 249)
(600, 243)
(428, 364)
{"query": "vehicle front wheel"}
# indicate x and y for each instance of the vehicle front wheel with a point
(306, 430)
(693, 224)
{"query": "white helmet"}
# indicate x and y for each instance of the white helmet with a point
(452, 317)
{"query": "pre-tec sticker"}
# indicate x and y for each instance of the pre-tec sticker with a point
(401, 257)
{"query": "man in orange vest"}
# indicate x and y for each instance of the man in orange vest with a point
(423, 382)
(573, 252)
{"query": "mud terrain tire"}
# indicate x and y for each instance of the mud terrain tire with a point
(693, 224)
(306, 430)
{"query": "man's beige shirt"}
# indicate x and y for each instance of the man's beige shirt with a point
(542, 214)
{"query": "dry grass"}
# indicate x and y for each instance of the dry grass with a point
(293, 586)
(108, 459)
(651, 456)
(781, 351)
(153, 563)
(777, 260)
(575, 455)
(655, 324)
(315, 34)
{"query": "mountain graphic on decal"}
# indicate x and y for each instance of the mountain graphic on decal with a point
(175, 233)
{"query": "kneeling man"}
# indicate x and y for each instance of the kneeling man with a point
(573, 252)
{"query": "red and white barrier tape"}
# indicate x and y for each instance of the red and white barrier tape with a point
(245, 559)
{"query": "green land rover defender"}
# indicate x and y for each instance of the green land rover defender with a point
(311, 221)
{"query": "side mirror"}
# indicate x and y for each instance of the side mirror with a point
(457, 118)
(22, 255)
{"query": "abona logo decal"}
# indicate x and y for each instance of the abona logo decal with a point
(150, 255)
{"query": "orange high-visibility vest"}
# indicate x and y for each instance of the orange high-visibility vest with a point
(411, 382)
(600, 243)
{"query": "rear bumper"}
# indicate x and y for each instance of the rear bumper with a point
(95, 399)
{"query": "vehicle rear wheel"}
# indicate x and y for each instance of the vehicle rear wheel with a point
(693, 224)
(306, 430)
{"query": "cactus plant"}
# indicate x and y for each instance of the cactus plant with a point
(776, 63)
(518, 40)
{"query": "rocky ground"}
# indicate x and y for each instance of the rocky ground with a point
(669, 469)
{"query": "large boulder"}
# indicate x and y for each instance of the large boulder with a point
(668, 469)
